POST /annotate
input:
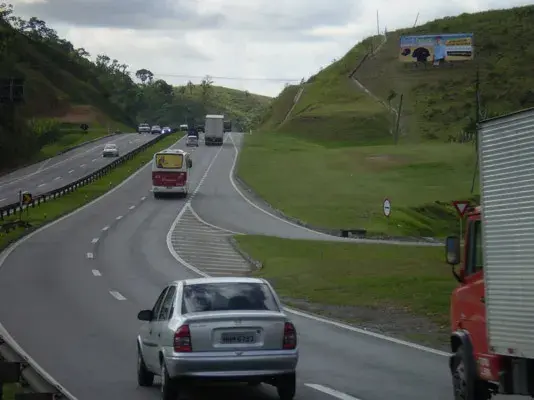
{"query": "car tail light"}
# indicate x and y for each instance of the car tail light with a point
(182, 340)
(290, 336)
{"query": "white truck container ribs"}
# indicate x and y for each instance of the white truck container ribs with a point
(506, 155)
(214, 130)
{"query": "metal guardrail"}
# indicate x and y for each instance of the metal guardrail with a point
(12, 209)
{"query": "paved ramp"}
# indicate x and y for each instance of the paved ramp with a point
(207, 248)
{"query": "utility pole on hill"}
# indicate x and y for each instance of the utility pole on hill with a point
(377, 24)
(477, 120)
(397, 128)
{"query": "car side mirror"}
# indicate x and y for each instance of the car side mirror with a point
(452, 250)
(145, 315)
(190, 163)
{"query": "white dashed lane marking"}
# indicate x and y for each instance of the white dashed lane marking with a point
(95, 240)
(117, 295)
(105, 228)
(96, 272)
(207, 248)
(90, 255)
(71, 171)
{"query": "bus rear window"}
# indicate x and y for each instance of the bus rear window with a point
(169, 161)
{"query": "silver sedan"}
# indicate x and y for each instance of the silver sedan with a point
(231, 329)
(110, 150)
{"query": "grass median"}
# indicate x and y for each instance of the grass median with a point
(54, 209)
(399, 290)
(10, 390)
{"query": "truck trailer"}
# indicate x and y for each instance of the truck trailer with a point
(492, 309)
(214, 130)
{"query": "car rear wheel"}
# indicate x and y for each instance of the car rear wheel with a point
(169, 387)
(144, 376)
(287, 386)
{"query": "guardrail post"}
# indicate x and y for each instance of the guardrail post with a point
(9, 373)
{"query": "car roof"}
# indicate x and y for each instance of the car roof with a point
(234, 279)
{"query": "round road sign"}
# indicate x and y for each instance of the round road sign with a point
(387, 207)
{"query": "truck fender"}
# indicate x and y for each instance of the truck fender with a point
(461, 338)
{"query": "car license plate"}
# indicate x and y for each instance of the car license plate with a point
(232, 338)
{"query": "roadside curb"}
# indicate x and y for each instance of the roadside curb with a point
(254, 263)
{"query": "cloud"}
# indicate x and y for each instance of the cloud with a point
(235, 41)
(132, 14)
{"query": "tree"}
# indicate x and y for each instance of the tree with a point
(206, 86)
(190, 87)
(144, 75)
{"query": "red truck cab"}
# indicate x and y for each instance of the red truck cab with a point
(478, 373)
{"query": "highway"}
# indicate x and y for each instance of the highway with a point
(70, 293)
(68, 167)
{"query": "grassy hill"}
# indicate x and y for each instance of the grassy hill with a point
(333, 161)
(64, 88)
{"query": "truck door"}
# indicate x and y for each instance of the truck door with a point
(470, 297)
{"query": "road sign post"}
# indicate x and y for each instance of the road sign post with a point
(386, 208)
(461, 207)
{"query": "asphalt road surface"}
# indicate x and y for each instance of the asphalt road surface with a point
(61, 170)
(69, 296)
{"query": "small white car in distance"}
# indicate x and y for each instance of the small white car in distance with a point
(231, 329)
(143, 128)
(155, 129)
(192, 140)
(110, 150)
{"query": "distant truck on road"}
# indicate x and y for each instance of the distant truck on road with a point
(214, 130)
(492, 309)
(227, 126)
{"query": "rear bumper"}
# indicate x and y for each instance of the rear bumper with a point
(230, 366)
(170, 189)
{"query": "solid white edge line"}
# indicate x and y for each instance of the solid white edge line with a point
(211, 225)
(290, 310)
(332, 392)
(6, 253)
(321, 234)
(179, 217)
(117, 295)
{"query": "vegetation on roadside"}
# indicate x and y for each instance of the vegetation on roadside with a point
(10, 390)
(333, 161)
(54, 209)
(399, 290)
(63, 84)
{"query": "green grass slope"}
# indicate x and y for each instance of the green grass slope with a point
(331, 106)
(439, 102)
(279, 107)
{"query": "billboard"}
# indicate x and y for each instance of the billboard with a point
(448, 47)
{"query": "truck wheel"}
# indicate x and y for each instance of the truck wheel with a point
(465, 382)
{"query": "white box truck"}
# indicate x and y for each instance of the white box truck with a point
(214, 130)
(492, 309)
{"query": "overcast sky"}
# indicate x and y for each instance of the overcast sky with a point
(277, 40)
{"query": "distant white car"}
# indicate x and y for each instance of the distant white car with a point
(143, 128)
(110, 150)
(155, 129)
(192, 140)
(166, 129)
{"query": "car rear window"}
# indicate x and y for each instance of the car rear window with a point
(227, 296)
(170, 161)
